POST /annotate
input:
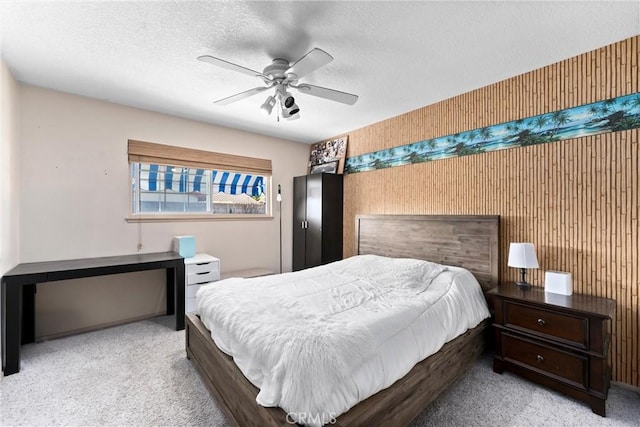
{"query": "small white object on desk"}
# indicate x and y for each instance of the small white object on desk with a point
(558, 282)
(185, 246)
(200, 269)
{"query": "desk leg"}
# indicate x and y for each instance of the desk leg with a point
(11, 326)
(175, 288)
(171, 292)
(28, 314)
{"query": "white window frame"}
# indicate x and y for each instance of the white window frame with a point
(179, 157)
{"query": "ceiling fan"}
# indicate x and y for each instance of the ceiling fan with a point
(281, 76)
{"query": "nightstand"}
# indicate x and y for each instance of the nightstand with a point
(199, 269)
(561, 342)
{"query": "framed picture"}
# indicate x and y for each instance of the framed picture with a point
(326, 152)
(329, 167)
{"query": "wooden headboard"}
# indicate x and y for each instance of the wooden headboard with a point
(469, 241)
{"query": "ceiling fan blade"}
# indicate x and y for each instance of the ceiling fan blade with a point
(326, 93)
(231, 66)
(241, 95)
(313, 60)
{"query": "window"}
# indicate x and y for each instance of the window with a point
(171, 182)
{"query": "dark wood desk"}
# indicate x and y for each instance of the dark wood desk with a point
(19, 288)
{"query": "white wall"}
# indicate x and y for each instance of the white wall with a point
(74, 183)
(9, 169)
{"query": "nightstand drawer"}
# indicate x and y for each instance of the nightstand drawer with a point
(573, 330)
(206, 277)
(203, 267)
(563, 365)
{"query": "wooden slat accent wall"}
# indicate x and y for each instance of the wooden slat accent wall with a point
(576, 200)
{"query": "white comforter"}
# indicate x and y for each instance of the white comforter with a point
(318, 341)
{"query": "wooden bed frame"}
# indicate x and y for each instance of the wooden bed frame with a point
(462, 240)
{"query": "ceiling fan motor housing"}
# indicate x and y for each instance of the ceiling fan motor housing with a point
(276, 70)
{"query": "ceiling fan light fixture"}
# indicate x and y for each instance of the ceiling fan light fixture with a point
(288, 100)
(290, 111)
(267, 107)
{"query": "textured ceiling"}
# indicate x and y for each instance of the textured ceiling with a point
(397, 56)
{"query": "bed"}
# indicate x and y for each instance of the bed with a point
(470, 242)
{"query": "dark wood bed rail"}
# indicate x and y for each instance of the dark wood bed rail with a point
(396, 405)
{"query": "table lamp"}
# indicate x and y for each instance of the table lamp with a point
(522, 256)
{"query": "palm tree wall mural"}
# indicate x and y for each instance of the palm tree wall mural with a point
(611, 115)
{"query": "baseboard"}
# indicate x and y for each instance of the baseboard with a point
(97, 327)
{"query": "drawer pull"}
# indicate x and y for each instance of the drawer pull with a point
(541, 322)
(540, 359)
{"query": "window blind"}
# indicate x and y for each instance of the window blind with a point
(148, 152)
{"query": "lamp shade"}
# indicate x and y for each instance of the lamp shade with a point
(522, 255)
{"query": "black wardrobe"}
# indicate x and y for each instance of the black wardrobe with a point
(317, 220)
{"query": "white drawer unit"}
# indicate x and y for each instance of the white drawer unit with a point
(199, 270)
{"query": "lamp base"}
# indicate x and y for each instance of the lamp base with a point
(523, 284)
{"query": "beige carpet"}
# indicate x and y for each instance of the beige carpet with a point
(138, 375)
